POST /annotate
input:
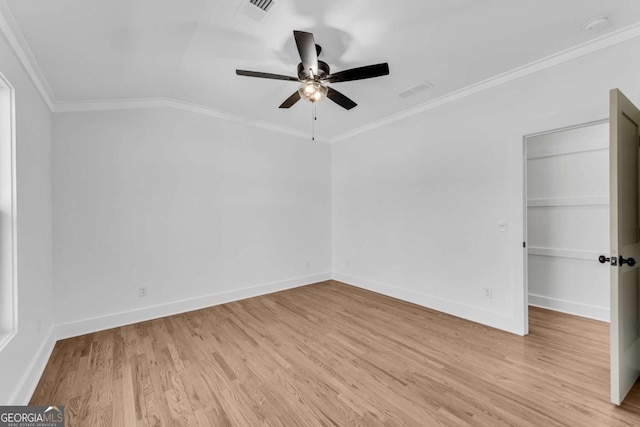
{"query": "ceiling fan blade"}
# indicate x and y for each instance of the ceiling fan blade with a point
(359, 73)
(340, 99)
(307, 50)
(265, 75)
(288, 103)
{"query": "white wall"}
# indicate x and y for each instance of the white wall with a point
(22, 360)
(568, 220)
(416, 203)
(197, 209)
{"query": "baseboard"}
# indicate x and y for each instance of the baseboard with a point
(89, 325)
(30, 379)
(570, 307)
(495, 320)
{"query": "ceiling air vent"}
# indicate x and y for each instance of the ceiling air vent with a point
(262, 4)
(256, 9)
(415, 89)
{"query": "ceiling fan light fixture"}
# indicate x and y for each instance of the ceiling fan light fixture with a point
(312, 73)
(312, 91)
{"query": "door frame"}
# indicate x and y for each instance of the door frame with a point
(525, 273)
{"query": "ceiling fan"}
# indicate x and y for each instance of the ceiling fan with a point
(313, 74)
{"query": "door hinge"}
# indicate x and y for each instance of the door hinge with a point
(524, 244)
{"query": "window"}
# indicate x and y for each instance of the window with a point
(8, 266)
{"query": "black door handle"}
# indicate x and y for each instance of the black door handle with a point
(603, 259)
(629, 261)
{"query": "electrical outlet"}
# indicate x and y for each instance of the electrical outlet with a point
(502, 225)
(488, 293)
(143, 292)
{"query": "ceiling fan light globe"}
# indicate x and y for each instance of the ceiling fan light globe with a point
(312, 91)
(309, 89)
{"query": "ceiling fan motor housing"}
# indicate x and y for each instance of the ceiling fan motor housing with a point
(323, 71)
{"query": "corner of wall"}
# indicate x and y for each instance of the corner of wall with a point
(29, 382)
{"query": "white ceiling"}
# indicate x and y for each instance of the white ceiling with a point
(90, 50)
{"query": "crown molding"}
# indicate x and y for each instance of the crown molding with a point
(9, 27)
(131, 104)
(608, 40)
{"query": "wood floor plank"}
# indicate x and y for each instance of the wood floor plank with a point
(334, 355)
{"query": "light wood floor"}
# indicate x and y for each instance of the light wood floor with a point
(330, 354)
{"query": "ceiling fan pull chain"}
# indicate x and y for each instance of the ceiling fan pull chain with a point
(313, 124)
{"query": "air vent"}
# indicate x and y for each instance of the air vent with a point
(262, 4)
(256, 9)
(415, 89)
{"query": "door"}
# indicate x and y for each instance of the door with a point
(625, 245)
